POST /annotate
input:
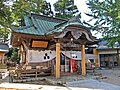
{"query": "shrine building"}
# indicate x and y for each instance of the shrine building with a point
(49, 42)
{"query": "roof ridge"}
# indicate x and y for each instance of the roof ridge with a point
(50, 17)
(24, 27)
(75, 19)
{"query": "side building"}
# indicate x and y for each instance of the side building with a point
(4, 48)
(108, 56)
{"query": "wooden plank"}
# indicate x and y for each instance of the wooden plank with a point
(35, 75)
(33, 72)
(39, 44)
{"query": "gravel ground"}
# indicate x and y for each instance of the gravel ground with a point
(91, 84)
(109, 75)
(105, 79)
(105, 75)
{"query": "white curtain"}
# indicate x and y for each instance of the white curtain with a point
(47, 55)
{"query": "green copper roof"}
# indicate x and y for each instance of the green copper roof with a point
(44, 25)
(61, 27)
(38, 24)
(27, 21)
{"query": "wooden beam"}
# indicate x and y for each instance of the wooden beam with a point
(83, 60)
(71, 45)
(54, 45)
(57, 60)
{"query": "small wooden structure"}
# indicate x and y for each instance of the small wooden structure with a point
(4, 48)
(53, 35)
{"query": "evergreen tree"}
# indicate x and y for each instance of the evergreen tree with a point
(22, 8)
(5, 20)
(40, 7)
(13, 11)
(106, 14)
(65, 9)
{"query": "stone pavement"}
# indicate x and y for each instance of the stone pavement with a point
(91, 84)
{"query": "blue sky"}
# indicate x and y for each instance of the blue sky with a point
(81, 4)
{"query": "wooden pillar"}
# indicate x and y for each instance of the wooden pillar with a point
(95, 52)
(83, 60)
(3, 58)
(57, 60)
(21, 54)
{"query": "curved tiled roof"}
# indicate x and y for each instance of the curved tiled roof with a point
(38, 24)
(44, 25)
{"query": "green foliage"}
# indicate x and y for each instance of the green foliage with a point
(106, 14)
(4, 32)
(65, 9)
(5, 14)
(13, 11)
(13, 55)
(41, 7)
(22, 8)
(5, 20)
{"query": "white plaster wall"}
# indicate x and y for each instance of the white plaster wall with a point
(38, 56)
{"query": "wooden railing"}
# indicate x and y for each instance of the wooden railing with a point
(33, 72)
